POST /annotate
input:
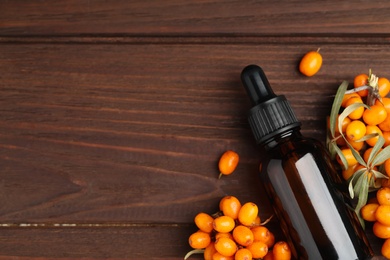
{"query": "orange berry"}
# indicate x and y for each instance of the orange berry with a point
(347, 173)
(384, 102)
(209, 251)
(380, 230)
(386, 136)
(383, 196)
(383, 86)
(367, 153)
(374, 115)
(358, 112)
(310, 63)
(361, 80)
(385, 250)
(385, 125)
(199, 240)
(204, 222)
(357, 145)
(373, 129)
(243, 254)
(281, 251)
(387, 167)
(243, 235)
(219, 235)
(351, 160)
(248, 214)
(348, 96)
(355, 130)
(368, 212)
(382, 214)
(230, 206)
(218, 256)
(223, 224)
(262, 234)
(257, 222)
(228, 162)
(258, 249)
(226, 246)
(344, 124)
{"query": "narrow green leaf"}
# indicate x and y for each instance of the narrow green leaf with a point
(332, 149)
(356, 154)
(342, 157)
(363, 195)
(379, 175)
(382, 155)
(356, 175)
(336, 106)
(366, 137)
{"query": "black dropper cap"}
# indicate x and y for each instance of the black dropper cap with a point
(271, 115)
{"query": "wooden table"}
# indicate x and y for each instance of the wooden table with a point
(113, 114)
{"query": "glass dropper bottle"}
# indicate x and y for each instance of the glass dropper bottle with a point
(308, 196)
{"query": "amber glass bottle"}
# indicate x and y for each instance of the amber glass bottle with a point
(308, 196)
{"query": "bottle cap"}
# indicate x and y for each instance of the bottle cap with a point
(270, 115)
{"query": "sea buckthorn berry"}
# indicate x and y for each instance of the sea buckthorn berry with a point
(218, 256)
(209, 251)
(310, 63)
(257, 222)
(248, 213)
(262, 234)
(351, 160)
(380, 230)
(387, 167)
(355, 130)
(358, 112)
(223, 224)
(226, 246)
(228, 162)
(230, 206)
(204, 222)
(357, 145)
(368, 212)
(385, 250)
(243, 235)
(281, 251)
(199, 240)
(374, 115)
(344, 124)
(383, 86)
(348, 96)
(243, 254)
(373, 129)
(383, 196)
(385, 125)
(258, 249)
(382, 214)
(384, 102)
(347, 173)
(219, 235)
(361, 80)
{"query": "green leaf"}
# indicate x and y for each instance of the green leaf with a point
(382, 155)
(336, 106)
(366, 137)
(332, 148)
(342, 157)
(356, 175)
(363, 195)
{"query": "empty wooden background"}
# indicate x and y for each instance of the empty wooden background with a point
(113, 114)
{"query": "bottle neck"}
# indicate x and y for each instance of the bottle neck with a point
(281, 138)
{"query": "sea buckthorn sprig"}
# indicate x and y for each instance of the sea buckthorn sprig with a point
(235, 232)
(359, 135)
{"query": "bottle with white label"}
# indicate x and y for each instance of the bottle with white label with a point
(308, 196)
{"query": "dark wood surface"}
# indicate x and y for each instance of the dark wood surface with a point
(113, 114)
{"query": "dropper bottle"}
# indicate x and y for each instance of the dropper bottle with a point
(308, 196)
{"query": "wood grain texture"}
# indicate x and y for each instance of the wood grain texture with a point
(113, 115)
(193, 17)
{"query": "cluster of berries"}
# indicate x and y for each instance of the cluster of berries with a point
(236, 233)
(378, 212)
